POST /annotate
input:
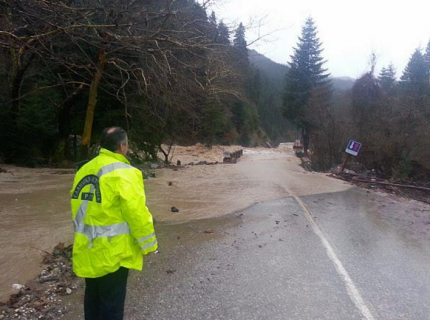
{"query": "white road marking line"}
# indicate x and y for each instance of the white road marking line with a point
(350, 286)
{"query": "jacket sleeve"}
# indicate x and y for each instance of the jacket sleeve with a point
(135, 212)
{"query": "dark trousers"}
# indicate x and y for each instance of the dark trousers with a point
(105, 296)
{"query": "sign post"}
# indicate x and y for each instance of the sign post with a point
(352, 149)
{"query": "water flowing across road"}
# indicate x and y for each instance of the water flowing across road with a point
(35, 213)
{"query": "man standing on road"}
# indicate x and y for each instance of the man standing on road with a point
(113, 226)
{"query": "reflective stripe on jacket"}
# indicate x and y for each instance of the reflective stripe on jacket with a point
(113, 226)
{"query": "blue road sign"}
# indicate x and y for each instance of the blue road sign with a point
(353, 148)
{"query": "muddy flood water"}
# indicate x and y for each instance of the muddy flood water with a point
(35, 213)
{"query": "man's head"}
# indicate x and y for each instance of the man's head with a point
(115, 139)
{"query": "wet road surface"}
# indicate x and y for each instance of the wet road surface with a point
(326, 256)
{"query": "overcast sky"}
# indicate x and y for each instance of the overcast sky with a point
(349, 29)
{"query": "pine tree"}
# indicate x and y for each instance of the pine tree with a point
(212, 32)
(416, 75)
(387, 78)
(223, 34)
(212, 18)
(427, 57)
(239, 40)
(241, 49)
(415, 83)
(305, 78)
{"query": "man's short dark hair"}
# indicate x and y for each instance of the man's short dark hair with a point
(112, 138)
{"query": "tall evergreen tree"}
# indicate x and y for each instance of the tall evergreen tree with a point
(241, 49)
(387, 78)
(212, 32)
(416, 75)
(239, 40)
(223, 34)
(427, 57)
(212, 18)
(415, 84)
(305, 78)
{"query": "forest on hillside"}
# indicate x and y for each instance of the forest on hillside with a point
(167, 71)
(389, 116)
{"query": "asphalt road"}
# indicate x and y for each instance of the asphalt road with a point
(277, 261)
(352, 254)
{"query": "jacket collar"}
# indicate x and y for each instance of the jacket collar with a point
(115, 155)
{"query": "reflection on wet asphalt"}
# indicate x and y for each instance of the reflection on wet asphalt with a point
(388, 262)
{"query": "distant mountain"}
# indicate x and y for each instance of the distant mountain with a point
(277, 71)
(342, 83)
(271, 68)
(271, 77)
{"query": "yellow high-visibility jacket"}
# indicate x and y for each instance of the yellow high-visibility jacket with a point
(113, 226)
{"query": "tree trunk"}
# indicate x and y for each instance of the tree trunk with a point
(92, 102)
(167, 153)
(305, 135)
(64, 125)
(11, 127)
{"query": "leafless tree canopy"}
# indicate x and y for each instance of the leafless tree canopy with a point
(153, 66)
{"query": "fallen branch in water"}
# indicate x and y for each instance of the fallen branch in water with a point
(353, 177)
(42, 250)
(394, 185)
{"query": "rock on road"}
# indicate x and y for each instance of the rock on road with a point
(346, 253)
